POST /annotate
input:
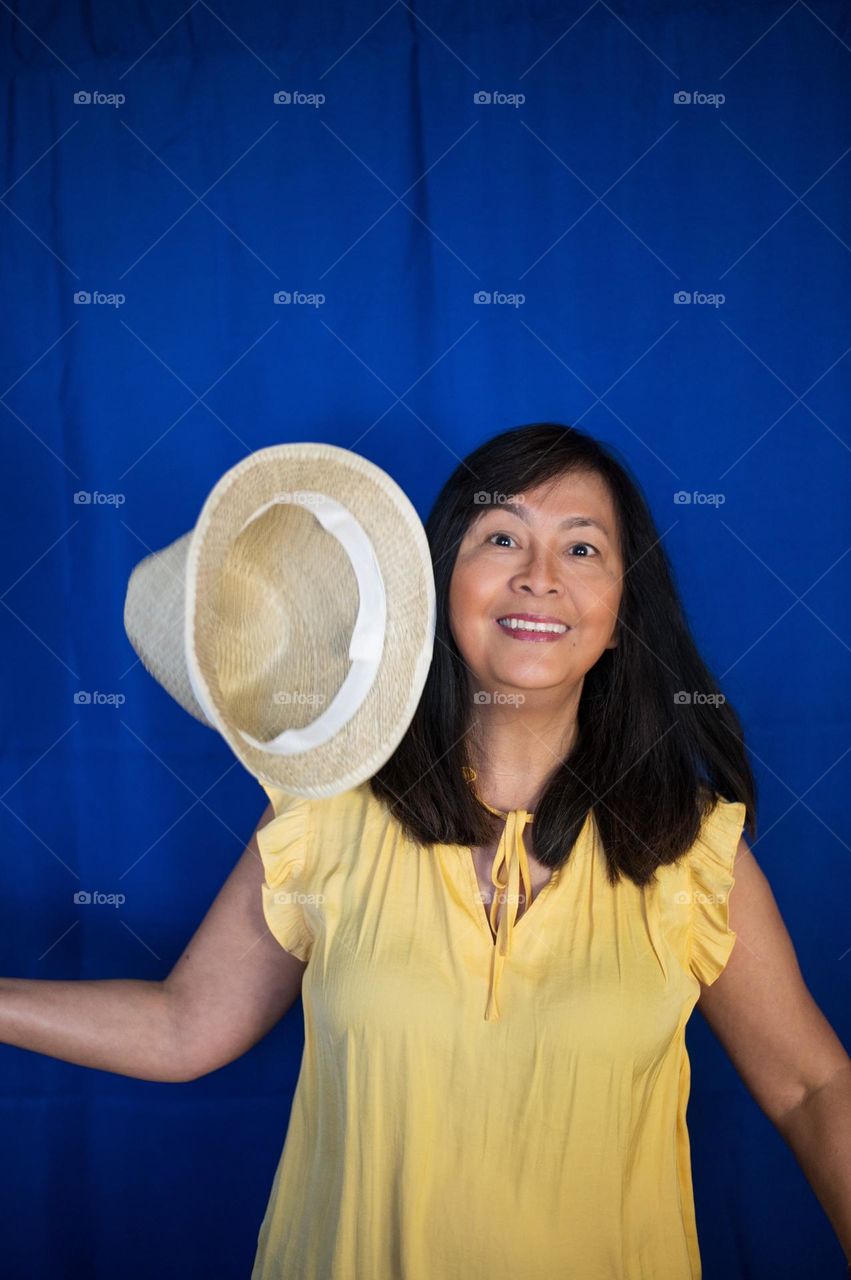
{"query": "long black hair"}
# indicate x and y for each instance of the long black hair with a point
(648, 761)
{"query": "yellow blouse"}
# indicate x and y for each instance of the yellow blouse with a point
(477, 1110)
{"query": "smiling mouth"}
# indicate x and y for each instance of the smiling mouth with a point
(523, 629)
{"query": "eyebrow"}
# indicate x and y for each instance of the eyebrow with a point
(570, 522)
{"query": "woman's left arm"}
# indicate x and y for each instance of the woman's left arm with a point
(786, 1052)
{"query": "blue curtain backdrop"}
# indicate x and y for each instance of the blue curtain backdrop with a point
(227, 225)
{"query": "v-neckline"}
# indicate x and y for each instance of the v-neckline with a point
(499, 947)
(470, 775)
(483, 914)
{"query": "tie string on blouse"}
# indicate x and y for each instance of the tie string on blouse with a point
(510, 867)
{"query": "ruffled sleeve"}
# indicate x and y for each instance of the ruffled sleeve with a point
(284, 845)
(711, 862)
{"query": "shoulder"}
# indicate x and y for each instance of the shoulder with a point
(712, 871)
(305, 847)
(310, 828)
(712, 857)
(693, 894)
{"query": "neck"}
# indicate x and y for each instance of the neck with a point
(515, 751)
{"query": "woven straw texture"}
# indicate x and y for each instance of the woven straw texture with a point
(274, 608)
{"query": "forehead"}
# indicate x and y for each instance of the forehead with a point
(570, 494)
(576, 492)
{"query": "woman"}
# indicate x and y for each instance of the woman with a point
(500, 937)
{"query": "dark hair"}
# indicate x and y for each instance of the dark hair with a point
(649, 764)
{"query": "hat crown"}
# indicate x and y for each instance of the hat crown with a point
(285, 603)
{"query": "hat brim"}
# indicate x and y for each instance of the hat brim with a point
(185, 574)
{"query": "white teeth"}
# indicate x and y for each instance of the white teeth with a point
(520, 624)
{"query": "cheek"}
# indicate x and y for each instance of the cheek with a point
(459, 603)
(598, 598)
(470, 600)
(468, 591)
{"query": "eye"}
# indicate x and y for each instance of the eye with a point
(589, 546)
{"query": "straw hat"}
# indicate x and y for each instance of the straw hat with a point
(296, 618)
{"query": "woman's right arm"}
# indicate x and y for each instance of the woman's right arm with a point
(232, 983)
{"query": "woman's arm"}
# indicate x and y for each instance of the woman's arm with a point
(232, 983)
(818, 1130)
(114, 1024)
(782, 1046)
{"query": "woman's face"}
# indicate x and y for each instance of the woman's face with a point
(571, 573)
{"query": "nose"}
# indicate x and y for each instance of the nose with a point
(540, 574)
